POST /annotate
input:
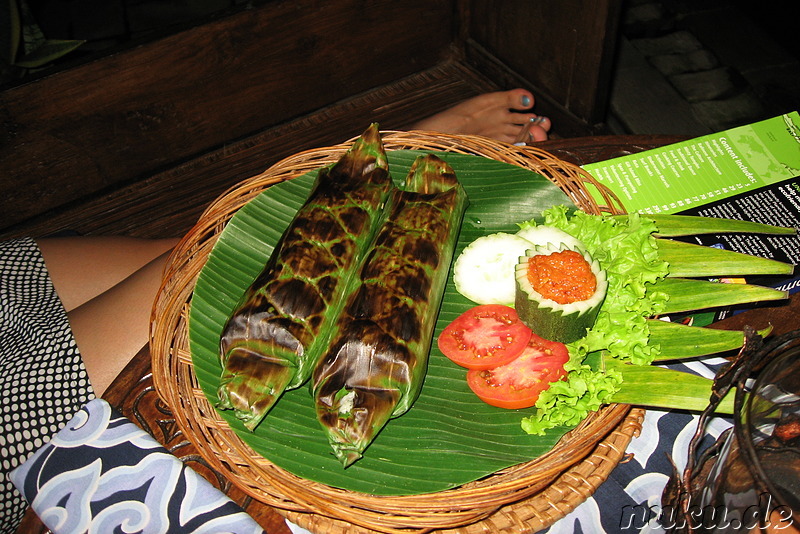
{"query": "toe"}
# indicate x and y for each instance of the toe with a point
(545, 123)
(538, 133)
(534, 129)
(519, 99)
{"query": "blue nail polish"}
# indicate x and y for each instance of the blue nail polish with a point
(526, 100)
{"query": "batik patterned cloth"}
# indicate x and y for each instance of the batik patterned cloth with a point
(629, 501)
(102, 473)
(42, 377)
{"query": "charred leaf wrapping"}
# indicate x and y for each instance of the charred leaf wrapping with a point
(283, 323)
(377, 362)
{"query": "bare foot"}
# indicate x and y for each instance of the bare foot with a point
(500, 115)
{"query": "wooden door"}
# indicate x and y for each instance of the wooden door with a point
(563, 49)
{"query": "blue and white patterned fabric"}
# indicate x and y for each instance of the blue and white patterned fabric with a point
(102, 473)
(629, 501)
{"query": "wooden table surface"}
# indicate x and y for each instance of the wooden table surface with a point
(134, 395)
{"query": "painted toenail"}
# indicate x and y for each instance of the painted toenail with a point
(526, 100)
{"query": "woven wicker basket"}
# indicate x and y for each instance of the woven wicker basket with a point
(523, 498)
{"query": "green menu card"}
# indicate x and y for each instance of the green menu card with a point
(693, 173)
(750, 172)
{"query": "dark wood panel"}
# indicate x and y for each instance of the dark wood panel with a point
(168, 203)
(607, 147)
(133, 113)
(139, 141)
(564, 48)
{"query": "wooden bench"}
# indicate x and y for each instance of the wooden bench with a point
(139, 140)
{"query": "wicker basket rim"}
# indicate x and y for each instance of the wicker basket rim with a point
(469, 505)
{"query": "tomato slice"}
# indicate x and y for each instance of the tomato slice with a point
(519, 383)
(484, 337)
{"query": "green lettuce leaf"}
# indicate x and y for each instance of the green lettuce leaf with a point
(568, 402)
(627, 251)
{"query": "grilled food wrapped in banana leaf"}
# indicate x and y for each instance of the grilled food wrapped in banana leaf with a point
(378, 357)
(284, 321)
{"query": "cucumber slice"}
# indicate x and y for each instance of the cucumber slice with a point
(542, 235)
(484, 271)
(549, 319)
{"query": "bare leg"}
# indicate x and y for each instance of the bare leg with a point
(108, 285)
(498, 115)
(83, 267)
(114, 326)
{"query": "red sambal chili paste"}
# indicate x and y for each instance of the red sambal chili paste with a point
(563, 277)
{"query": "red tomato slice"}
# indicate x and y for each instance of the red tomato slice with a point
(484, 337)
(518, 384)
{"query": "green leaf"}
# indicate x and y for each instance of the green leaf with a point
(48, 51)
(683, 225)
(567, 402)
(449, 437)
(690, 260)
(689, 295)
